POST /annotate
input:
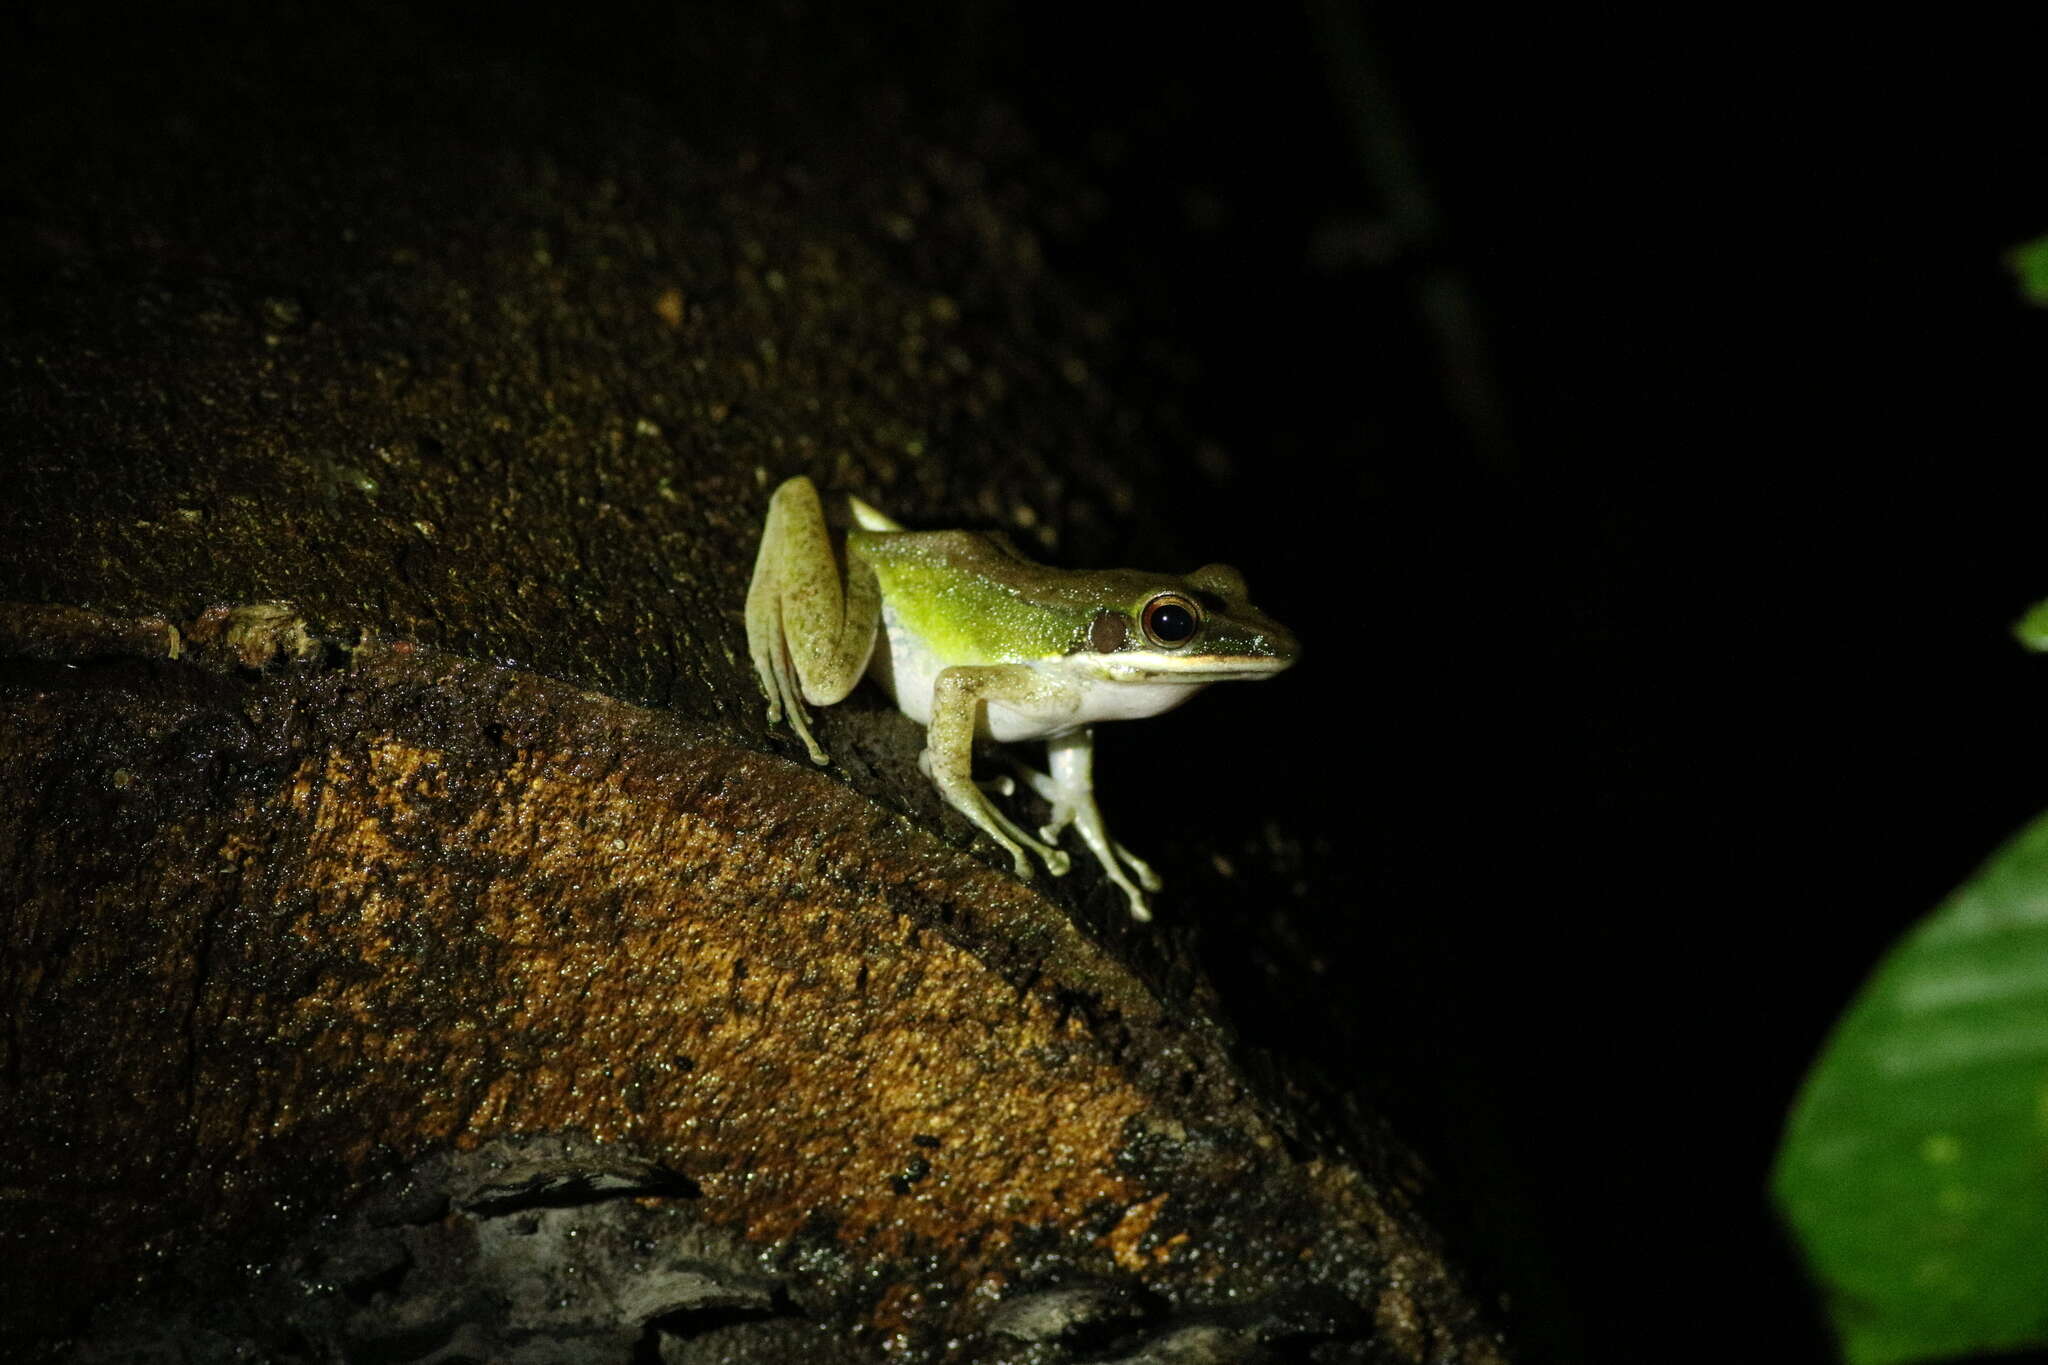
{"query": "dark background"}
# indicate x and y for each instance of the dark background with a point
(1634, 418)
(1637, 421)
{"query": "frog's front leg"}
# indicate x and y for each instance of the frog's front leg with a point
(810, 632)
(1071, 790)
(958, 694)
(1069, 794)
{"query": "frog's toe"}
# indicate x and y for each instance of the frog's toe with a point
(816, 750)
(1056, 862)
(1139, 868)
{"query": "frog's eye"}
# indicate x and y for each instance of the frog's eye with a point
(1170, 620)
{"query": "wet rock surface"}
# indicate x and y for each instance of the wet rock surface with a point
(538, 1251)
(385, 415)
(547, 1250)
(282, 940)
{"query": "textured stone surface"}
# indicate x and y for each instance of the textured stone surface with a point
(272, 934)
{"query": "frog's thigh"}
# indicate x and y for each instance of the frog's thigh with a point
(810, 637)
(766, 639)
(958, 694)
(829, 621)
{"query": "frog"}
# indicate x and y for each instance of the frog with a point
(973, 639)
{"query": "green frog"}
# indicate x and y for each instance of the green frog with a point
(972, 638)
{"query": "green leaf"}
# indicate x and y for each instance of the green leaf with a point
(2029, 261)
(2031, 630)
(1914, 1171)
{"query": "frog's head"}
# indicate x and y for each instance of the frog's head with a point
(1198, 629)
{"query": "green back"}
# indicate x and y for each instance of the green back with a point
(973, 599)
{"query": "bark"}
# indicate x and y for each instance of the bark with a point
(416, 945)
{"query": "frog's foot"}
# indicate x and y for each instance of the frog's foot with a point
(1066, 809)
(1056, 860)
(801, 724)
(1070, 787)
(782, 698)
(1046, 789)
(1115, 859)
(967, 797)
(1140, 869)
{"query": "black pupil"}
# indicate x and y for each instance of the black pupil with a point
(1171, 623)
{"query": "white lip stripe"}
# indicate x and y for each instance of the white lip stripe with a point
(1214, 666)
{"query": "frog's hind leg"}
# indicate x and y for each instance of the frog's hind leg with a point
(810, 629)
(958, 695)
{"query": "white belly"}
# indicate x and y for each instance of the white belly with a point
(903, 666)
